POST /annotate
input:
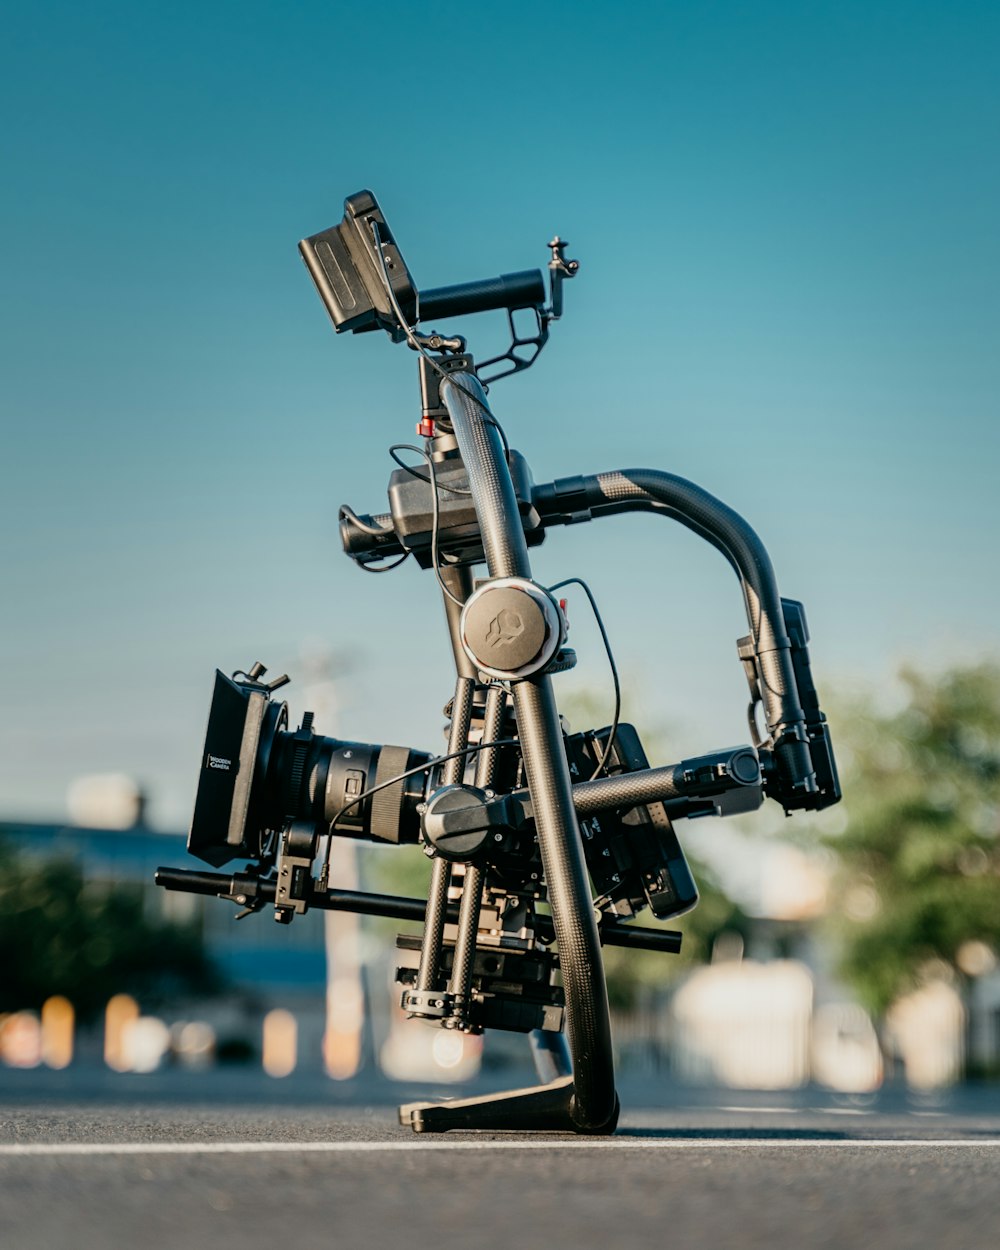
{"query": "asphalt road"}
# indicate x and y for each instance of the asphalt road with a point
(148, 1164)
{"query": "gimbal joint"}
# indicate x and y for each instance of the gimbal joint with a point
(512, 628)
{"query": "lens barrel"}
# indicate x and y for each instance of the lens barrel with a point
(320, 779)
(257, 777)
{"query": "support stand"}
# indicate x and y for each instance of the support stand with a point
(546, 1108)
(542, 1109)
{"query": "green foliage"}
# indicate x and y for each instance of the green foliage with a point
(920, 856)
(60, 934)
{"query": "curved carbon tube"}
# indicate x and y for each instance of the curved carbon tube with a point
(588, 1024)
(568, 500)
(626, 490)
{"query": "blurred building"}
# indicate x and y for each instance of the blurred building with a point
(309, 981)
(265, 966)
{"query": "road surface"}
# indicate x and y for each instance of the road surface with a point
(174, 1160)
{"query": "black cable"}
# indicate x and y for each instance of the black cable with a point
(609, 746)
(382, 568)
(348, 512)
(491, 420)
(414, 472)
(410, 772)
(448, 377)
(435, 525)
(417, 346)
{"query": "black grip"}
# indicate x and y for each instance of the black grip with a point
(215, 883)
(358, 543)
(525, 289)
(668, 941)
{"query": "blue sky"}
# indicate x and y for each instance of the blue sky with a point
(786, 215)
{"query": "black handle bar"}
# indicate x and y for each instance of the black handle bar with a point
(224, 885)
(524, 289)
(581, 498)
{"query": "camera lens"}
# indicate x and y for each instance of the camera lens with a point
(257, 776)
(320, 779)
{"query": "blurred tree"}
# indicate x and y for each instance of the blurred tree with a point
(60, 934)
(920, 856)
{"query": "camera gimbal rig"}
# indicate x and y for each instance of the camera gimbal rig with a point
(518, 815)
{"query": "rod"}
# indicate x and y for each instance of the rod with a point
(397, 907)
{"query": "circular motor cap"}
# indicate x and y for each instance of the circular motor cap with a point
(745, 767)
(511, 627)
(461, 845)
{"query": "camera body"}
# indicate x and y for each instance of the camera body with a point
(261, 784)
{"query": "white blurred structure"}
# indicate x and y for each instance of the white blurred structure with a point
(106, 801)
(58, 1025)
(846, 1055)
(145, 1043)
(280, 1043)
(745, 1025)
(927, 1030)
(344, 1027)
(120, 1014)
(192, 1043)
(416, 1051)
(20, 1040)
(345, 993)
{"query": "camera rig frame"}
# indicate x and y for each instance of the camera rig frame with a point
(545, 845)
